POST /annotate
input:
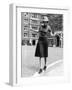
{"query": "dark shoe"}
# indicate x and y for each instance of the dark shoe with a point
(40, 71)
(44, 68)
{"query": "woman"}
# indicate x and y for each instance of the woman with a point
(42, 45)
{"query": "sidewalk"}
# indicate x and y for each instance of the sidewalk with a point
(30, 64)
(54, 70)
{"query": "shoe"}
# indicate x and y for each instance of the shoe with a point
(40, 71)
(44, 68)
(36, 74)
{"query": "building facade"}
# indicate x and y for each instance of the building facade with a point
(30, 23)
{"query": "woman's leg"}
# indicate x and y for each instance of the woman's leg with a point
(40, 70)
(40, 61)
(45, 61)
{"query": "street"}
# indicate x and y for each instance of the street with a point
(30, 63)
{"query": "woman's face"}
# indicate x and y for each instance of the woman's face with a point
(44, 23)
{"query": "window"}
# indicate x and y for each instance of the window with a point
(34, 15)
(34, 35)
(35, 28)
(26, 14)
(25, 34)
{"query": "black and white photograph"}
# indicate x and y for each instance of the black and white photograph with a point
(41, 44)
(38, 45)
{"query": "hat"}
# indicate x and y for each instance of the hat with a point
(45, 18)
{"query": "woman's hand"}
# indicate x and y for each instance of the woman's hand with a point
(51, 33)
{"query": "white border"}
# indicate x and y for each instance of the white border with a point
(12, 44)
(17, 80)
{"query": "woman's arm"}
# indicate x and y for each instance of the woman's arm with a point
(50, 31)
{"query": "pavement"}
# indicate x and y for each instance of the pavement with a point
(30, 63)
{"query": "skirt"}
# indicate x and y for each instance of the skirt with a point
(42, 47)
